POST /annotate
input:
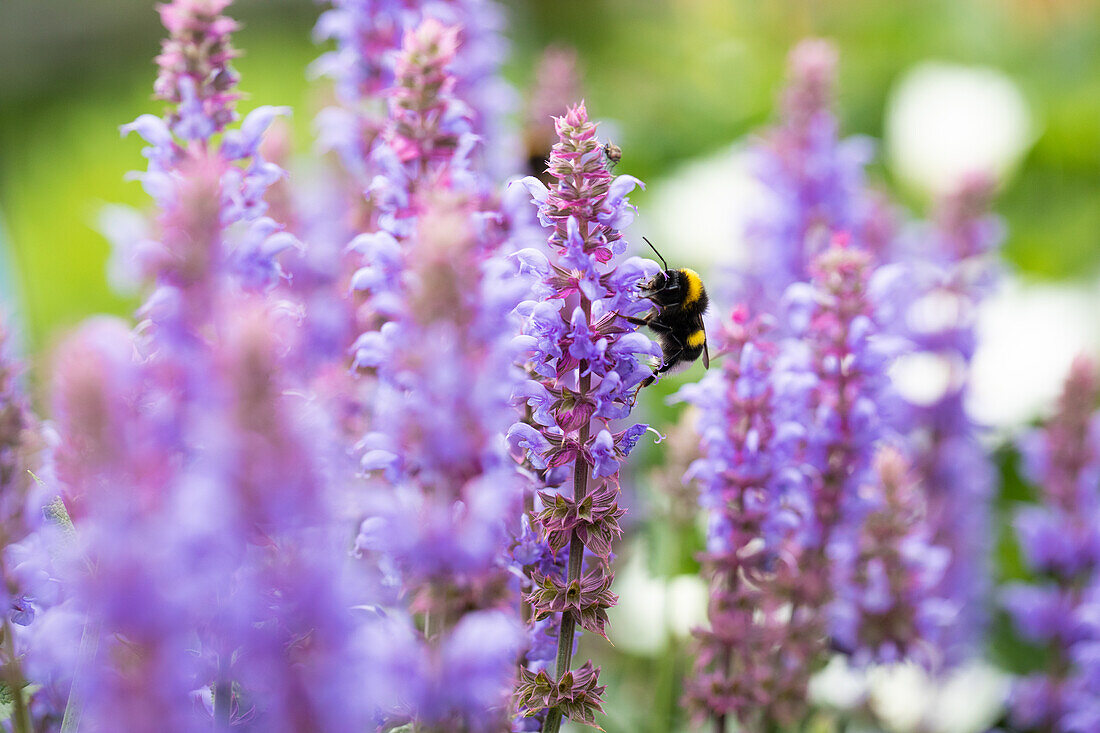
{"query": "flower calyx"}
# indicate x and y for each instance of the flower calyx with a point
(586, 599)
(577, 693)
(595, 519)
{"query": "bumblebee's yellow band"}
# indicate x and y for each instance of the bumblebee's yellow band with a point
(695, 286)
(697, 339)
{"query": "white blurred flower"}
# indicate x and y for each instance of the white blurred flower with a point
(899, 695)
(128, 231)
(923, 378)
(944, 121)
(1028, 334)
(701, 209)
(687, 604)
(638, 621)
(652, 610)
(838, 685)
(903, 698)
(969, 701)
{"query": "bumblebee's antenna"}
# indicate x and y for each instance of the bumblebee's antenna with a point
(655, 250)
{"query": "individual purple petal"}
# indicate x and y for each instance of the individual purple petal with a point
(604, 461)
(151, 128)
(245, 142)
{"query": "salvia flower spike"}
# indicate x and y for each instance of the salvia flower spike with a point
(584, 363)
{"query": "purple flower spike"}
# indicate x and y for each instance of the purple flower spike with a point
(852, 393)
(815, 179)
(22, 446)
(586, 357)
(217, 480)
(420, 113)
(422, 146)
(445, 495)
(948, 455)
(195, 74)
(30, 588)
(366, 65)
(752, 662)
(204, 190)
(812, 545)
(204, 562)
(1060, 539)
(886, 572)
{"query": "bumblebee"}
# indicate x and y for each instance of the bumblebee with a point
(679, 302)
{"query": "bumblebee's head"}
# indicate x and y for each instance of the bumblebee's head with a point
(656, 282)
(681, 287)
(674, 287)
(664, 288)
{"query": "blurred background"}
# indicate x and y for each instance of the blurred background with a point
(943, 86)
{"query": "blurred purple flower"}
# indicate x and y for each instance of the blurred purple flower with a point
(365, 65)
(443, 512)
(752, 661)
(1060, 539)
(815, 179)
(25, 577)
(204, 554)
(937, 297)
(195, 76)
(885, 572)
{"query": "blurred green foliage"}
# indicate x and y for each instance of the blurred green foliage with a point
(688, 77)
(61, 156)
(679, 78)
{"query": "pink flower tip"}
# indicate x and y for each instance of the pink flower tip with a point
(576, 115)
(433, 37)
(812, 64)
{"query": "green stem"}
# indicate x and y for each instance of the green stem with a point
(576, 546)
(15, 681)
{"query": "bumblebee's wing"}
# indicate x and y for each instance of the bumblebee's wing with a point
(706, 351)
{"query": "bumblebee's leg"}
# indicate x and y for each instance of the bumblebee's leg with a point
(660, 327)
(665, 366)
(638, 390)
(647, 321)
(668, 363)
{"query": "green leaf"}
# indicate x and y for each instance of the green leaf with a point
(56, 512)
(7, 700)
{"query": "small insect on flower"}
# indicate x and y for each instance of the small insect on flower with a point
(679, 301)
(613, 153)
